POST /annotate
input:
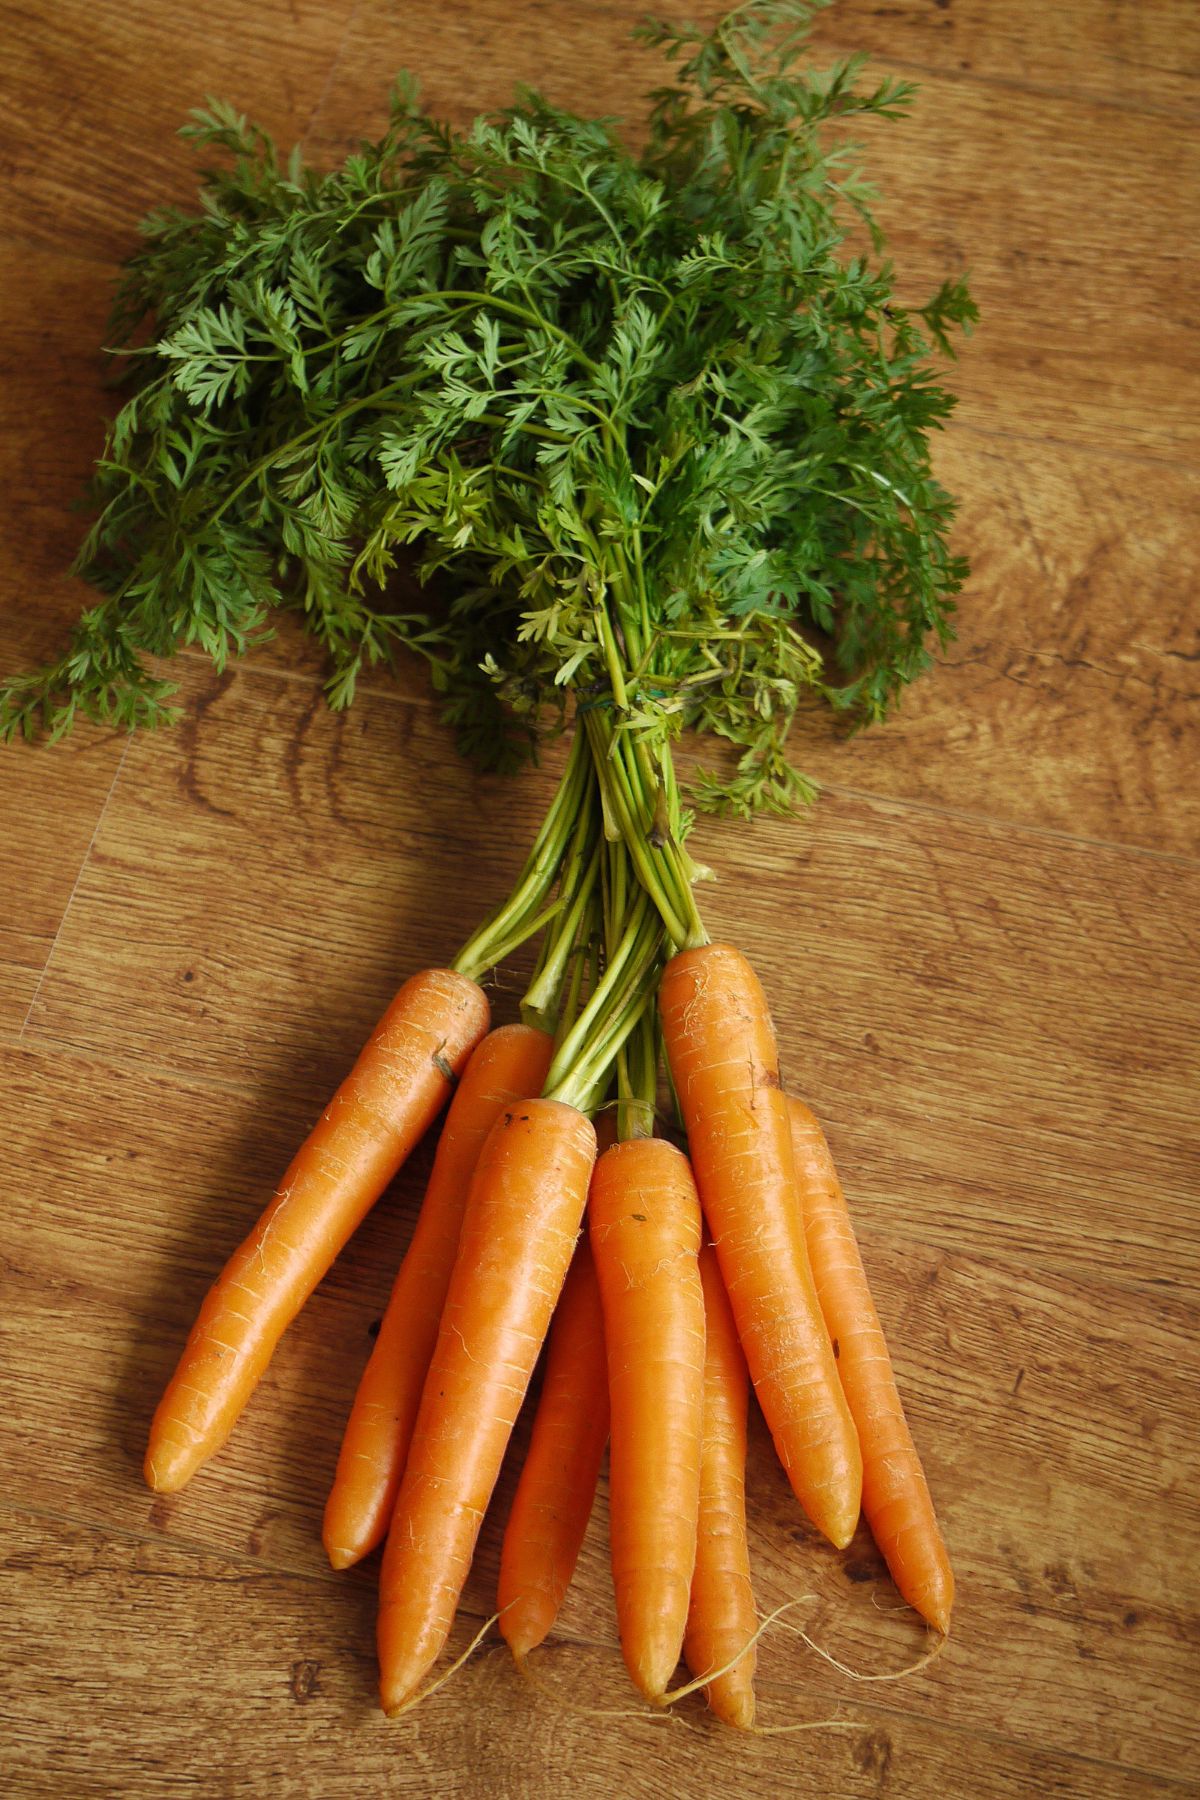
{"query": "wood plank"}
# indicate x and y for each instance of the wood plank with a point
(349, 833)
(1076, 228)
(994, 1009)
(284, 1657)
(944, 991)
(97, 92)
(1054, 1413)
(1135, 54)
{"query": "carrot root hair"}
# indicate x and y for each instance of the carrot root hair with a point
(426, 1692)
(650, 1715)
(808, 1725)
(776, 1617)
(914, 1668)
(701, 1681)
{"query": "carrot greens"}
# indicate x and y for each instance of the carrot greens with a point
(652, 433)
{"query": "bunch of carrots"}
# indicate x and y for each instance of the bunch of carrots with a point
(662, 1282)
(659, 435)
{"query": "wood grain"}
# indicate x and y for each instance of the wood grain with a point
(96, 95)
(981, 948)
(50, 808)
(1125, 55)
(292, 1663)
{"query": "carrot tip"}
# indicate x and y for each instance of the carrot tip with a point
(520, 1642)
(651, 1675)
(737, 1711)
(396, 1697)
(340, 1558)
(165, 1472)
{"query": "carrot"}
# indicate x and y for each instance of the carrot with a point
(393, 1093)
(896, 1496)
(518, 1232)
(553, 1501)
(509, 1065)
(645, 1232)
(721, 1616)
(554, 1497)
(721, 1048)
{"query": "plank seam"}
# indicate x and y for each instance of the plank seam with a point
(74, 888)
(1020, 827)
(335, 63)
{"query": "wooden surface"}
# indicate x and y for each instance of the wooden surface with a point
(981, 947)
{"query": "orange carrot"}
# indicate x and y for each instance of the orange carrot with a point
(645, 1232)
(553, 1501)
(722, 1617)
(395, 1090)
(721, 1047)
(518, 1233)
(896, 1496)
(509, 1065)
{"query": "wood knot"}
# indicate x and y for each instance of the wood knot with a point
(304, 1683)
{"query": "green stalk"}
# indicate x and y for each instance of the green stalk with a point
(542, 995)
(578, 981)
(674, 861)
(524, 913)
(579, 1040)
(589, 1049)
(659, 871)
(593, 1073)
(637, 1076)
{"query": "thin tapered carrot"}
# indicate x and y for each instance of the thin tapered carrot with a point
(896, 1496)
(644, 1225)
(395, 1090)
(509, 1065)
(724, 1063)
(721, 1616)
(553, 1501)
(518, 1233)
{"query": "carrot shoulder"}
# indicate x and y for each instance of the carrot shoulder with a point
(644, 1217)
(721, 1047)
(509, 1065)
(518, 1233)
(397, 1087)
(721, 1616)
(554, 1497)
(896, 1496)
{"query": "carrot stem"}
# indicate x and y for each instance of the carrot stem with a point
(519, 917)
